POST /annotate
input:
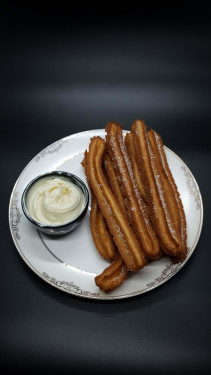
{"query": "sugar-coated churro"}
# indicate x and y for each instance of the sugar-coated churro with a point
(139, 218)
(132, 155)
(113, 276)
(114, 182)
(119, 227)
(136, 209)
(166, 230)
(172, 195)
(100, 232)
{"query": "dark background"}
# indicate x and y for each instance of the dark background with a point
(65, 70)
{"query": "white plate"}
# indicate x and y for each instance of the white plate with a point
(71, 262)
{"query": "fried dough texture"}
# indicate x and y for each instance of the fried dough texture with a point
(172, 195)
(132, 155)
(136, 210)
(156, 191)
(114, 181)
(113, 276)
(119, 227)
(100, 232)
(135, 205)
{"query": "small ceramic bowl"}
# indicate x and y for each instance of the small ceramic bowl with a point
(63, 228)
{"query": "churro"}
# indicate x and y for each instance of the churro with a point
(119, 227)
(100, 232)
(172, 194)
(136, 210)
(114, 182)
(113, 276)
(132, 155)
(163, 223)
(139, 218)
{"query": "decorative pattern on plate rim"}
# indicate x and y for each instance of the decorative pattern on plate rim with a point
(15, 216)
(167, 272)
(69, 286)
(54, 147)
(192, 186)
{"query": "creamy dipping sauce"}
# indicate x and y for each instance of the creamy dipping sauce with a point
(54, 200)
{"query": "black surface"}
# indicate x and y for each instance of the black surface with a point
(66, 71)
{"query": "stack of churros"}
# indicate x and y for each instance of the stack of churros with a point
(136, 211)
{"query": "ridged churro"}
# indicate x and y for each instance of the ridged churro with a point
(172, 194)
(114, 182)
(136, 209)
(139, 218)
(163, 223)
(132, 155)
(99, 228)
(113, 276)
(119, 227)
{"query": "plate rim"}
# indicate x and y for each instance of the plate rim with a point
(104, 297)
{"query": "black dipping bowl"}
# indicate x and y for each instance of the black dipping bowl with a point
(70, 225)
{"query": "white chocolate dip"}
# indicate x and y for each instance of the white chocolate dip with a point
(54, 200)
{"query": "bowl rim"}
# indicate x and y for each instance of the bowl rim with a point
(60, 173)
